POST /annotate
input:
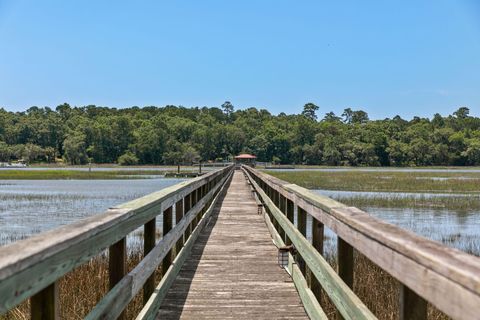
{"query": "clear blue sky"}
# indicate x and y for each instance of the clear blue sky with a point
(385, 57)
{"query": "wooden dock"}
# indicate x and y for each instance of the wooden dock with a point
(232, 272)
(217, 257)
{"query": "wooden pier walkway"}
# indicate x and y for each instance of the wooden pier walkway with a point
(217, 257)
(232, 272)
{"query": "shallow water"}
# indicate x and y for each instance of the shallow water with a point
(339, 194)
(455, 228)
(386, 169)
(28, 207)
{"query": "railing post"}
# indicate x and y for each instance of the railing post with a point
(412, 306)
(44, 304)
(117, 264)
(187, 205)
(345, 264)
(149, 235)
(317, 242)
(290, 217)
(302, 227)
(178, 217)
(167, 226)
(274, 198)
(281, 205)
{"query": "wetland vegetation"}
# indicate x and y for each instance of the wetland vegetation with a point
(441, 205)
(384, 181)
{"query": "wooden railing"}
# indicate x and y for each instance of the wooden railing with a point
(31, 268)
(426, 270)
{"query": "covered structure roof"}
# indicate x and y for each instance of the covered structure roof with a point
(245, 156)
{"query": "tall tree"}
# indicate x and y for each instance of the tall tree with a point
(310, 111)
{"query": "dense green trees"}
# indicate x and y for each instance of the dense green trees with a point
(173, 135)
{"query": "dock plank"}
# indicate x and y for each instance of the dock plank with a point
(232, 272)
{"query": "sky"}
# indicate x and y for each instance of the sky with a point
(411, 58)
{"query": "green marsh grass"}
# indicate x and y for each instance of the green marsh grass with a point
(376, 181)
(457, 203)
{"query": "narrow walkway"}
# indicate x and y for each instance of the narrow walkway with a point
(233, 271)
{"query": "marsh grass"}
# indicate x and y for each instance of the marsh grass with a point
(378, 290)
(458, 203)
(451, 182)
(52, 174)
(83, 288)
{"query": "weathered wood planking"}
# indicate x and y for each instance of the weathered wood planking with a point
(30, 265)
(232, 272)
(346, 302)
(446, 277)
(117, 298)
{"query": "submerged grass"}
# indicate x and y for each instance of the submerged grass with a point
(434, 182)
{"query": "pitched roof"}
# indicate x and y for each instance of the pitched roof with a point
(245, 156)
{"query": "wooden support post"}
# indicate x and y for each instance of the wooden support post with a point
(317, 242)
(275, 196)
(187, 203)
(302, 227)
(178, 217)
(345, 264)
(44, 304)
(117, 264)
(412, 306)
(282, 206)
(149, 235)
(167, 226)
(290, 217)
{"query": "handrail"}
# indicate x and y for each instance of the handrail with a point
(427, 270)
(29, 268)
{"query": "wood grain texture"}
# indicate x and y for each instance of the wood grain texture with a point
(117, 298)
(149, 311)
(346, 302)
(45, 304)
(310, 302)
(30, 265)
(149, 236)
(232, 272)
(446, 277)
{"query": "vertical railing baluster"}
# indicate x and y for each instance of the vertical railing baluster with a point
(345, 264)
(178, 217)
(281, 205)
(149, 235)
(412, 306)
(44, 305)
(290, 217)
(317, 242)
(117, 264)
(302, 227)
(186, 207)
(167, 226)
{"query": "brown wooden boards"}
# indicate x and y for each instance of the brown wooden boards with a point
(446, 277)
(232, 272)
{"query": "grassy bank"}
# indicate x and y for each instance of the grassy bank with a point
(25, 174)
(435, 182)
(81, 289)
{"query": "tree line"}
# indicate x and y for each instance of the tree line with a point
(171, 135)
